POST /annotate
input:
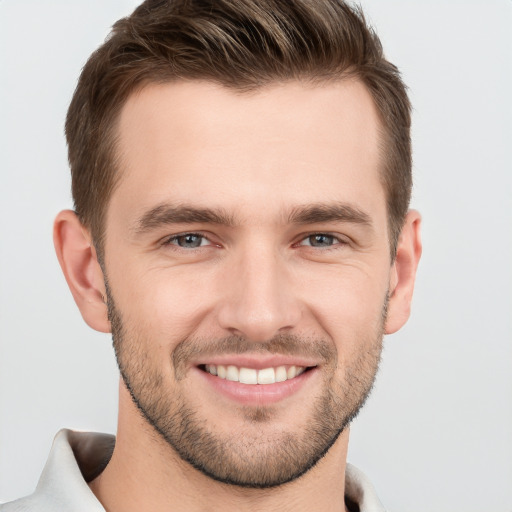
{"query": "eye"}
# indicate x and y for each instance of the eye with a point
(321, 240)
(188, 241)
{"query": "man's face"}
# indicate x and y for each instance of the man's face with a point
(247, 240)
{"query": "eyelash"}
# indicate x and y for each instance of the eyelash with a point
(337, 241)
(174, 238)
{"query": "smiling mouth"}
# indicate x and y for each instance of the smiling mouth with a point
(263, 376)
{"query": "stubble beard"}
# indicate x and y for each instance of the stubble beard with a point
(251, 456)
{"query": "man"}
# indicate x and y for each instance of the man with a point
(241, 173)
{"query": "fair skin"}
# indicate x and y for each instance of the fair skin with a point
(264, 267)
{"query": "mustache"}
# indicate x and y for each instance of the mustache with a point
(284, 344)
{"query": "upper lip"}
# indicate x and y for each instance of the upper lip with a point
(257, 361)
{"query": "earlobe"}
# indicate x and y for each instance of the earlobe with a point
(403, 273)
(79, 262)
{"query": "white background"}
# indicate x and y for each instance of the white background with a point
(437, 433)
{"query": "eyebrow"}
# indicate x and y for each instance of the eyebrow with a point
(168, 214)
(330, 212)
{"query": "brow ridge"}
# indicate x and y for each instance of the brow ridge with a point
(328, 212)
(167, 214)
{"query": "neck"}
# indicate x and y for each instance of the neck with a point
(145, 473)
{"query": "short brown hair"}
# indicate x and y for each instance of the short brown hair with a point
(243, 45)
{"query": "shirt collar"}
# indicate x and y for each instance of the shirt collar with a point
(78, 457)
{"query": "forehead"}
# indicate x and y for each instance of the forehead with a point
(292, 142)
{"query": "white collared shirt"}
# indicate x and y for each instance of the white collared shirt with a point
(63, 483)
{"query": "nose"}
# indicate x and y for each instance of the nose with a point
(259, 296)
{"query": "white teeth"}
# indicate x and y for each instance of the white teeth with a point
(292, 372)
(252, 376)
(248, 376)
(232, 373)
(211, 368)
(221, 371)
(267, 376)
(281, 375)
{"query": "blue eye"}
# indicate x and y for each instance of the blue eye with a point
(320, 240)
(188, 241)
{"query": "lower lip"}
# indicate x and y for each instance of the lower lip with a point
(257, 394)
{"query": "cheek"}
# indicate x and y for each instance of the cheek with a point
(348, 306)
(168, 304)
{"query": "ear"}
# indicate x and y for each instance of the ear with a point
(79, 262)
(403, 273)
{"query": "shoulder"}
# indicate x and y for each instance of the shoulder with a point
(75, 459)
(360, 492)
(30, 503)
